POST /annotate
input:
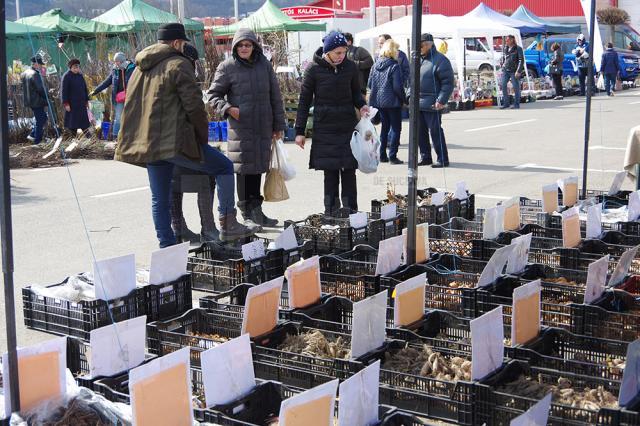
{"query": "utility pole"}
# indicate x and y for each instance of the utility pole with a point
(17, 9)
(372, 13)
(181, 11)
(236, 12)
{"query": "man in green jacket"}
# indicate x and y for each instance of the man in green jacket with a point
(164, 124)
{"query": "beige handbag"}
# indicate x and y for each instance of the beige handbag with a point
(275, 188)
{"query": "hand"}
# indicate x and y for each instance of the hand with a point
(438, 106)
(364, 111)
(67, 108)
(518, 75)
(234, 112)
(300, 140)
(278, 134)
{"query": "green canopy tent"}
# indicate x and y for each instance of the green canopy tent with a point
(524, 14)
(269, 18)
(57, 20)
(23, 41)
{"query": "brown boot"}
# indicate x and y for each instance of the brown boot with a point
(231, 230)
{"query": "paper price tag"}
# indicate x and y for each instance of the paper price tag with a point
(550, 198)
(489, 229)
(261, 308)
(616, 185)
(409, 302)
(630, 386)
(519, 256)
(594, 221)
(117, 347)
(369, 324)
(253, 250)
(287, 239)
(227, 371)
(389, 255)
(312, 407)
(303, 279)
(538, 415)
(525, 320)
(596, 279)
(487, 344)
(389, 211)
(461, 191)
(495, 266)
(358, 220)
(512, 214)
(571, 228)
(622, 268)
(634, 206)
(569, 188)
(168, 264)
(114, 277)
(359, 397)
(422, 243)
(437, 199)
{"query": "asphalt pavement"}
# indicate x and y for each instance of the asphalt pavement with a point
(498, 153)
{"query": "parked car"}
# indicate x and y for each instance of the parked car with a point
(477, 56)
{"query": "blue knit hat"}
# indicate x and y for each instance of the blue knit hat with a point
(332, 40)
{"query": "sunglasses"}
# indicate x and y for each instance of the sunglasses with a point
(245, 45)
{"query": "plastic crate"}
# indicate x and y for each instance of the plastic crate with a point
(167, 300)
(615, 316)
(499, 408)
(389, 281)
(328, 234)
(350, 275)
(234, 300)
(291, 256)
(63, 317)
(379, 229)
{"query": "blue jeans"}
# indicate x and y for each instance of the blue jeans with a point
(40, 115)
(214, 163)
(610, 82)
(116, 118)
(506, 76)
(391, 119)
(431, 122)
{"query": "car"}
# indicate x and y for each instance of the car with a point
(477, 56)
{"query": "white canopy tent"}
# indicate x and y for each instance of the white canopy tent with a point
(455, 28)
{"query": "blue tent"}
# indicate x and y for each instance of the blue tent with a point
(524, 14)
(485, 12)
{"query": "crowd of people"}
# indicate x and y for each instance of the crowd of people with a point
(161, 123)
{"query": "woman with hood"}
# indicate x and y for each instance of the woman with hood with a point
(245, 91)
(75, 98)
(387, 94)
(332, 84)
(119, 79)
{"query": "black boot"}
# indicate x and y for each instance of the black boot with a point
(231, 230)
(184, 234)
(245, 208)
(258, 216)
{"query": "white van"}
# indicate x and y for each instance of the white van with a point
(477, 57)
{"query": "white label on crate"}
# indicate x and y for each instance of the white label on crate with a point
(461, 191)
(519, 256)
(313, 407)
(594, 221)
(495, 265)
(389, 255)
(618, 179)
(168, 264)
(537, 415)
(369, 324)
(634, 206)
(166, 289)
(227, 371)
(389, 211)
(630, 386)
(596, 279)
(437, 198)
(253, 250)
(359, 397)
(114, 277)
(358, 220)
(487, 343)
(287, 239)
(622, 268)
(117, 347)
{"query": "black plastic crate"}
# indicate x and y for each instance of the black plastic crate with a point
(329, 234)
(379, 229)
(351, 274)
(615, 316)
(167, 300)
(498, 408)
(234, 300)
(389, 281)
(63, 317)
(304, 250)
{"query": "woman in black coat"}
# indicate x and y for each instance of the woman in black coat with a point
(75, 98)
(332, 84)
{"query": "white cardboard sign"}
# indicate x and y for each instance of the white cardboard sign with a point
(168, 264)
(594, 221)
(634, 206)
(495, 266)
(617, 182)
(389, 211)
(519, 256)
(596, 279)
(622, 268)
(537, 415)
(114, 277)
(630, 386)
(253, 250)
(487, 344)
(358, 220)
(359, 397)
(369, 324)
(287, 239)
(389, 255)
(461, 191)
(117, 347)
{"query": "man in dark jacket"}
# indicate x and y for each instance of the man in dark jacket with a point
(35, 97)
(363, 60)
(512, 69)
(610, 67)
(403, 61)
(436, 86)
(164, 124)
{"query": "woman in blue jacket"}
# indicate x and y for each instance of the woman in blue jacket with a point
(387, 94)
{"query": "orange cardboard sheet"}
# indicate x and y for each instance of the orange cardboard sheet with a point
(262, 311)
(315, 412)
(550, 201)
(39, 377)
(163, 399)
(421, 253)
(570, 194)
(526, 319)
(512, 217)
(571, 231)
(410, 306)
(305, 289)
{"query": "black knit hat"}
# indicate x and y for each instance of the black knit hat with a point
(426, 37)
(191, 52)
(174, 31)
(37, 60)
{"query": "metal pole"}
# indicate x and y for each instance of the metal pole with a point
(17, 9)
(236, 12)
(414, 113)
(587, 117)
(181, 10)
(6, 233)
(372, 13)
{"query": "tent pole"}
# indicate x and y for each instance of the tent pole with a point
(236, 12)
(587, 117)
(414, 109)
(6, 231)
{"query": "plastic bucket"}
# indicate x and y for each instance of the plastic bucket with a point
(224, 131)
(213, 131)
(106, 126)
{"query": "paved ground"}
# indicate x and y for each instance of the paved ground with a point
(498, 153)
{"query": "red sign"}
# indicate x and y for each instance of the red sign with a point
(302, 13)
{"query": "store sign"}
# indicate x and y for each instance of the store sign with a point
(302, 13)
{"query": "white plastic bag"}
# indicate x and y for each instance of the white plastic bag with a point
(287, 170)
(600, 83)
(365, 146)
